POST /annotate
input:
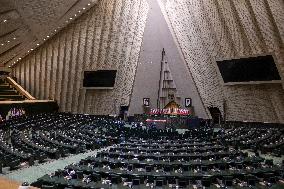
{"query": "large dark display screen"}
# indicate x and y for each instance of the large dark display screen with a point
(261, 68)
(99, 78)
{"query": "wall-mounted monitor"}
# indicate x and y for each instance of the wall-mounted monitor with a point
(249, 70)
(99, 79)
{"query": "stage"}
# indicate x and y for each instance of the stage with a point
(169, 121)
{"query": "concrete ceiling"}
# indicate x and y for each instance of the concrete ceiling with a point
(25, 24)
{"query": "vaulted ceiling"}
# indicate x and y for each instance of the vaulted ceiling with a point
(26, 24)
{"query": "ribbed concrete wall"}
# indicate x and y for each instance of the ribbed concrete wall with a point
(108, 36)
(210, 30)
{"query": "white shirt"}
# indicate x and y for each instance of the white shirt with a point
(24, 187)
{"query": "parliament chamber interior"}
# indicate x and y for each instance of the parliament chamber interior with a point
(98, 94)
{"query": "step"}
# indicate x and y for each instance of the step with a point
(8, 92)
(18, 97)
(4, 87)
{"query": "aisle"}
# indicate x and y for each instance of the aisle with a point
(31, 174)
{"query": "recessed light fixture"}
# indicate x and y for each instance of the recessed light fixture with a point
(47, 36)
(32, 49)
(75, 15)
(70, 18)
(37, 44)
(20, 58)
(44, 39)
(84, 8)
(14, 38)
(4, 20)
(28, 51)
(55, 30)
(89, 4)
(8, 41)
(2, 44)
(9, 66)
(79, 11)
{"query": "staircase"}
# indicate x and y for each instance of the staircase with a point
(8, 92)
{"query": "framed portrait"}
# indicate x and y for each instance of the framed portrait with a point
(146, 102)
(188, 102)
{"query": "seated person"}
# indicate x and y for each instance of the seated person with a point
(24, 185)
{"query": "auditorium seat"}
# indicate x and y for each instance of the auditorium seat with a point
(48, 187)
(172, 180)
(115, 179)
(206, 181)
(228, 181)
(150, 179)
(183, 183)
(159, 183)
(136, 182)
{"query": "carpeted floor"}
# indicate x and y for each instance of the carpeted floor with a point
(8, 184)
(31, 174)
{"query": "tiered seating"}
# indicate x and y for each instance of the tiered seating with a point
(263, 138)
(188, 160)
(8, 93)
(50, 136)
(138, 157)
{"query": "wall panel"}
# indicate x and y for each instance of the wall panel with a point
(210, 30)
(108, 36)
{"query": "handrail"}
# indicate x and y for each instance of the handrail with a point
(24, 101)
(20, 89)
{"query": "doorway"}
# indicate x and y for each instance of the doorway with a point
(215, 114)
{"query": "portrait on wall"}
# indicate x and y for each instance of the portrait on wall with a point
(187, 102)
(146, 102)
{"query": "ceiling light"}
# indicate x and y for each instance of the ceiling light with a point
(44, 39)
(89, 4)
(8, 41)
(14, 38)
(84, 8)
(66, 20)
(75, 15)
(70, 18)
(32, 49)
(28, 51)
(55, 30)
(4, 20)
(9, 66)
(79, 11)
(37, 44)
(47, 36)
(2, 44)
(20, 58)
